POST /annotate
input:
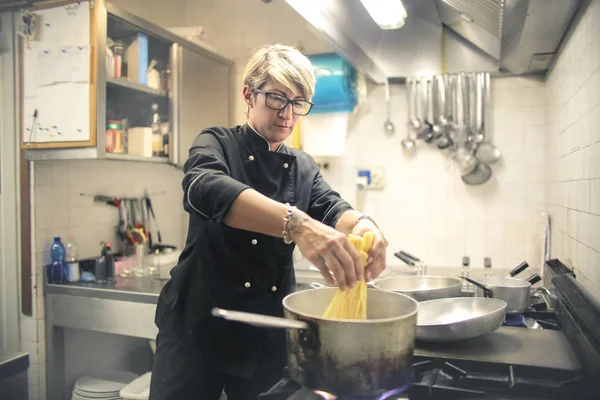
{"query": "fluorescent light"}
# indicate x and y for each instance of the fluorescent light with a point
(388, 14)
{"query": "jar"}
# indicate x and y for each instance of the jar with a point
(114, 137)
(118, 53)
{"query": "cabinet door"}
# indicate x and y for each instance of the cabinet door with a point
(201, 98)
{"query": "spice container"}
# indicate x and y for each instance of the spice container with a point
(118, 52)
(114, 137)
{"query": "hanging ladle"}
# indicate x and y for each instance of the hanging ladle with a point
(388, 125)
(408, 143)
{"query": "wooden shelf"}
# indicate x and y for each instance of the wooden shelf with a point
(124, 84)
(127, 157)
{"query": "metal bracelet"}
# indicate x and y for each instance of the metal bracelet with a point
(287, 238)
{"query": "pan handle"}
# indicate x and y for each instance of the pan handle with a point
(404, 258)
(258, 319)
(518, 269)
(405, 254)
(533, 279)
(487, 290)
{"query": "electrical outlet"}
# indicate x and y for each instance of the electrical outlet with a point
(375, 177)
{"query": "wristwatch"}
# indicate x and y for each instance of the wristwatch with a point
(366, 217)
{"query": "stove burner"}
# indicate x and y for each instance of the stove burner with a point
(384, 396)
(325, 395)
(393, 392)
(515, 320)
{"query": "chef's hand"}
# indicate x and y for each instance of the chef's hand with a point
(329, 250)
(377, 256)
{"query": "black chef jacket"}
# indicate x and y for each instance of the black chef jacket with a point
(232, 268)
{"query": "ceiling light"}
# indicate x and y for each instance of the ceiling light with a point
(388, 14)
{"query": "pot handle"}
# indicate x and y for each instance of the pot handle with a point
(518, 269)
(533, 279)
(258, 319)
(402, 256)
(405, 254)
(487, 290)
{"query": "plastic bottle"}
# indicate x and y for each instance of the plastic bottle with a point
(109, 260)
(57, 268)
(72, 266)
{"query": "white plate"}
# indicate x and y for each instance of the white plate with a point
(106, 382)
(79, 397)
(92, 395)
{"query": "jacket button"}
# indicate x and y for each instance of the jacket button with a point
(251, 158)
(247, 284)
(273, 288)
(254, 242)
(285, 165)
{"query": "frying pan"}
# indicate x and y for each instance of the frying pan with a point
(459, 318)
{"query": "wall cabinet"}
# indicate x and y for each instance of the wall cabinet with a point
(193, 90)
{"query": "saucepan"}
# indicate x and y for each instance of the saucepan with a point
(345, 357)
(515, 292)
(423, 287)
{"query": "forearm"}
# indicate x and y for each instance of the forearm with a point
(347, 221)
(254, 212)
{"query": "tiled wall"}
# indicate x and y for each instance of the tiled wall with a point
(426, 210)
(573, 151)
(59, 210)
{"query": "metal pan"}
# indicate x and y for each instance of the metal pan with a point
(460, 318)
(345, 357)
(515, 292)
(421, 288)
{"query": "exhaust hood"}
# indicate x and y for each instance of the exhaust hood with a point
(444, 36)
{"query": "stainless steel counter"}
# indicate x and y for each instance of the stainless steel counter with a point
(140, 290)
(125, 307)
(511, 346)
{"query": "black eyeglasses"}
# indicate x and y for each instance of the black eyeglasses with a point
(278, 102)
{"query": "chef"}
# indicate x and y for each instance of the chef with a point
(251, 199)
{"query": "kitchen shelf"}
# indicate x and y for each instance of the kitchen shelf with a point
(127, 157)
(123, 83)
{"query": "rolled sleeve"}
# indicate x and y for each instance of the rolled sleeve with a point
(326, 205)
(209, 190)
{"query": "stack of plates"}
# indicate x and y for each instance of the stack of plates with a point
(102, 386)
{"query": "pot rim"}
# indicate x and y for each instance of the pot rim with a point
(523, 284)
(458, 283)
(353, 321)
(501, 303)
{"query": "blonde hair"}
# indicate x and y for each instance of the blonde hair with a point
(284, 65)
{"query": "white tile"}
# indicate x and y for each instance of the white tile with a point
(29, 329)
(572, 195)
(583, 195)
(572, 223)
(591, 287)
(595, 233)
(32, 349)
(584, 228)
(35, 392)
(593, 122)
(33, 374)
(595, 196)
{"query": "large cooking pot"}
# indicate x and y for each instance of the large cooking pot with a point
(423, 287)
(345, 357)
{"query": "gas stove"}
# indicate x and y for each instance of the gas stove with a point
(559, 361)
